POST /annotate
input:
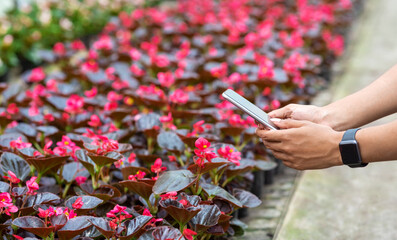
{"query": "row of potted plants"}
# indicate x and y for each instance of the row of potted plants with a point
(128, 138)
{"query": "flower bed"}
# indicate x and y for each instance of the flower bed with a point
(37, 26)
(130, 138)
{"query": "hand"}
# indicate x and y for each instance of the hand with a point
(302, 144)
(302, 112)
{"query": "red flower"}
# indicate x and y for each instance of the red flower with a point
(19, 144)
(157, 166)
(109, 106)
(17, 237)
(95, 121)
(167, 121)
(12, 178)
(161, 61)
(32, 186)
(132, 158)
(77, 45)
(33, 110)
(188, 234)
(179, 97)
(47, 149)
(172, 158)
(229, 153)
(78, 203)
(37, 75)
(166, 79)
(202, 144)
(80, 180)
(91, 93)
(59, 49)
(275, 104)
(12, 108)
(138, 176)
(169, 195)
(74, 104)
(104, 43)
(118, 210)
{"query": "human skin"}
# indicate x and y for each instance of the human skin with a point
(309, 136)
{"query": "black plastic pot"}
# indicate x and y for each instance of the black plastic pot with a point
(242, 213)
(258, 183)
(268, 177)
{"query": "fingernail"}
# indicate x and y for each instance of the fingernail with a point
(275, 119)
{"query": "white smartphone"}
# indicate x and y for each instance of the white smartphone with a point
(249, 108)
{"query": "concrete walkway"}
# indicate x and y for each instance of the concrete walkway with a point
(342, 203)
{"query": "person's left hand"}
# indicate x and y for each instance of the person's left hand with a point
(302, 144)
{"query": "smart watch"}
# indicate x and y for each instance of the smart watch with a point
(349, 149)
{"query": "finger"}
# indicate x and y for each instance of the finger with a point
(289, 123)
(282, 156)
(274, 146)
(270, 135)
(282, 113)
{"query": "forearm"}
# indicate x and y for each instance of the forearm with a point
(377, 100)
(378, 143)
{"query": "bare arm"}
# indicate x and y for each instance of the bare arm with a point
(377, 100)
(306, 145)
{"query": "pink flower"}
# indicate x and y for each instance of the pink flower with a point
(157, 166)
(80, 180)
(78, 203)
(161, 61)
(202, 144)
(19, 144)
(169, 195)
(5, 199)
(12, 177)
(179, 97)
(52, 85)
(104, 43)
(135, 54)
(236, 121)
(59, 49)
(166, 79)
(137, 71)
(113, 96)
(188, 234)
(77, 45)
(91, 93)
(74, 104)
(172, 158)
(6, 205)
(90, 66)
(118, 210)
(66, 143)
(110, 106)
(105, 144)
(275, 104)
(13, 109)
(138, 176)
(49, 117)
(32, 186)
(37, 75)
(167, 121)
(229, 153)
(219, 72)
(95, 121)
(132, 158)
(33, 110)
(265, 68)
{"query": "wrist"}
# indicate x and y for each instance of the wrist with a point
(337, 158)
(328, 116)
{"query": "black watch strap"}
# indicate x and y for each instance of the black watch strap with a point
(351, 135)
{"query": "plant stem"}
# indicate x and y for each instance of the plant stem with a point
(65, 191)
(37, 146)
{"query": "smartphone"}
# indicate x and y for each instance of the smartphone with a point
(249, 108)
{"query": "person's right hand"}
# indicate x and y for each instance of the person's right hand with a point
(301, 112)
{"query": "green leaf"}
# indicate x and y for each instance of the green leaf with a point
(216, 191)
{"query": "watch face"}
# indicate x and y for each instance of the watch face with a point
(350, 152)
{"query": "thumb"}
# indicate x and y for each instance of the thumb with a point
(289, 123)
(281, 113)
